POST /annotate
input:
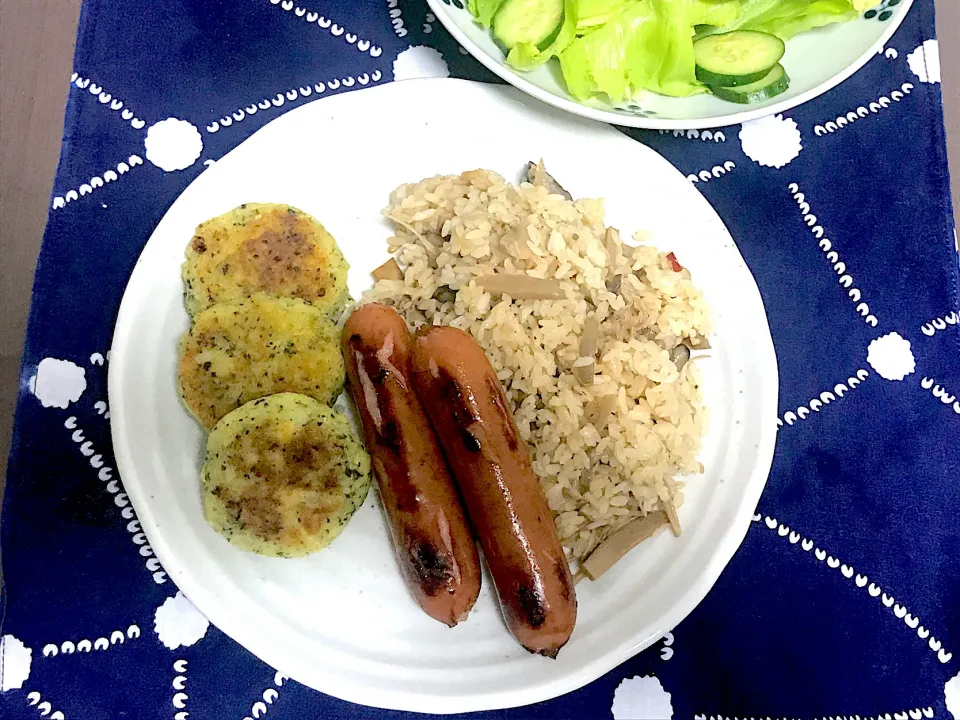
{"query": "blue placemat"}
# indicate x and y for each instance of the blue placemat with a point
(845, 597)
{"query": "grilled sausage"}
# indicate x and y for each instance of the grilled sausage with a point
(504, 500)
(435, 547)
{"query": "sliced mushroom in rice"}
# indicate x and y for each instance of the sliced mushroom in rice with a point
(589, 337)
(522, 287)
(388, 271)
(445, 294)
(584, 369)
(586, 477)
(613, 284)
(519, 238)
(613, 245)
(537, 174)
(600, 410)
(680, 355)
(670, 510)
(620, 542)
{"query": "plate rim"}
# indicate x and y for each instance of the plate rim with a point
(570, 105)
(411, 701)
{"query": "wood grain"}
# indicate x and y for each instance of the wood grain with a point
(36, 55)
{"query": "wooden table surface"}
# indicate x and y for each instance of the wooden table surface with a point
(36, 49)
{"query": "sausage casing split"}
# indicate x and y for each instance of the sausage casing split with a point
(502, 493)
(435, 547)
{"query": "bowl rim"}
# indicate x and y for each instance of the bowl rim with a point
(440, 9)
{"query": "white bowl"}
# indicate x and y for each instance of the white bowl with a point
(815, 61)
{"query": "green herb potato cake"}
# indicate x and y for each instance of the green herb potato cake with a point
(283, 475)
(274, 249)
(241, 351)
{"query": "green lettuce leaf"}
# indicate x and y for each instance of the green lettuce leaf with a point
(714, 12)
(592, 13)
(786, 18)
(484, 10)
(527, 56)
(648, 45)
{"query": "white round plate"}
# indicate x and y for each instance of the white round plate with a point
(815, 61)
(341, 621)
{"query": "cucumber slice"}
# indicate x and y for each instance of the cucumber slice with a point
(736, 58)
(775, 82)
(528, 21)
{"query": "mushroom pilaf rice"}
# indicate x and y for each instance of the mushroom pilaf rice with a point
(590, 337)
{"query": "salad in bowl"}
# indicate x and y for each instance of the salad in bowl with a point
(672, 64)
(614, 49)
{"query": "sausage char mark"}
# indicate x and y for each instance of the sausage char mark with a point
(533, 605)
(463, 411)
(431, 567)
